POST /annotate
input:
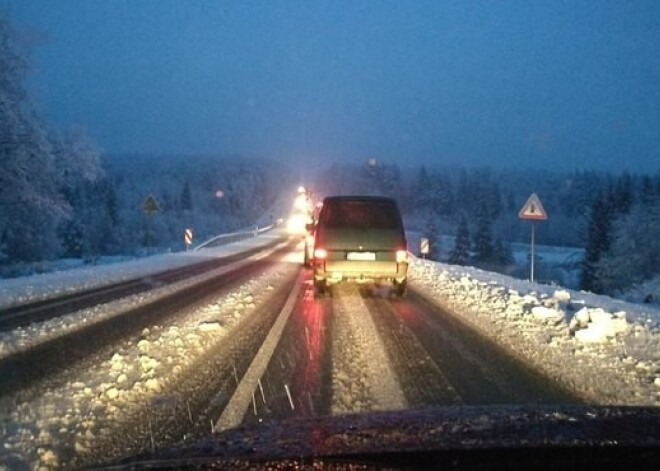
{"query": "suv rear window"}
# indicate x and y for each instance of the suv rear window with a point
(360, 215)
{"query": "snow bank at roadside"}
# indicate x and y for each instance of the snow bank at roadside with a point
(83, 407)
(28, 336)
(647, 292)
(605, 349)
(39, 287)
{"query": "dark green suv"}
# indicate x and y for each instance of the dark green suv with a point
(360, 238)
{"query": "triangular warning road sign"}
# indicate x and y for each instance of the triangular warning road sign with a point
(533, 209)
(150, 206)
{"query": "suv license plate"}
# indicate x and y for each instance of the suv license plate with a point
(361, 256)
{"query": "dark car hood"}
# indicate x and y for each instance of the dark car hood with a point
(393, 434)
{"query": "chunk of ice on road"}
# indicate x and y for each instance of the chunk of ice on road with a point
(619, 326)
(80, 448)
(582, 316)
(602, 328)
(529, 299)
(543, 313)
(595, 333)
(49, 458)
(152, 385)
(147, 363)
(562, 295)
(209, 326)
(599, 315)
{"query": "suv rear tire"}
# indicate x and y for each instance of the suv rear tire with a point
(401, 288)
(320, 287)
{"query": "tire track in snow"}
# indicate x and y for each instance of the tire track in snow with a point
(362, 378)
(420, 375)
(239, 403)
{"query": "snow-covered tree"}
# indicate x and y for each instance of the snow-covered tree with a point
(502, 253)
(442, 196)
(85, 228)
(634, 255)
(598, 242)
(483, 239)
(422, 190)
(30, 203)
(78, 157)
(185, 202)
(621, 194)
(460, 253)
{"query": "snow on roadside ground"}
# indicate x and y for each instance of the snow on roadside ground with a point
(647, 292)
(79, 408)
(605, 349)
(39, 287)
(26, 337)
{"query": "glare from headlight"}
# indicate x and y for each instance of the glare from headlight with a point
(296, 224)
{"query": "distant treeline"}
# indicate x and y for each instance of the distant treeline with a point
(614, 217)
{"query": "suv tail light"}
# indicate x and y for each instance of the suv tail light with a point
(320, 254)
(401, 256)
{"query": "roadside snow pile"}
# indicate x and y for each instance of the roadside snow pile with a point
(27, 289)
(605, 349)
(598, 325)
(26, 337)
(81, 410)
(647, 292)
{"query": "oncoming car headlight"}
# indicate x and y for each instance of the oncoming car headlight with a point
(296, 224)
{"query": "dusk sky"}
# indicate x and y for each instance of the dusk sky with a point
(563, 84)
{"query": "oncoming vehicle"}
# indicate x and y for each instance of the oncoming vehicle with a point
(360, 238)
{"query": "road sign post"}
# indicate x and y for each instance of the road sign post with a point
(532, 211)
(531, 251)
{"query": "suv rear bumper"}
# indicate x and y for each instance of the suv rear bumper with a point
(334, 271)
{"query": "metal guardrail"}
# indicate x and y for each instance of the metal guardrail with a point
(233, 237)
